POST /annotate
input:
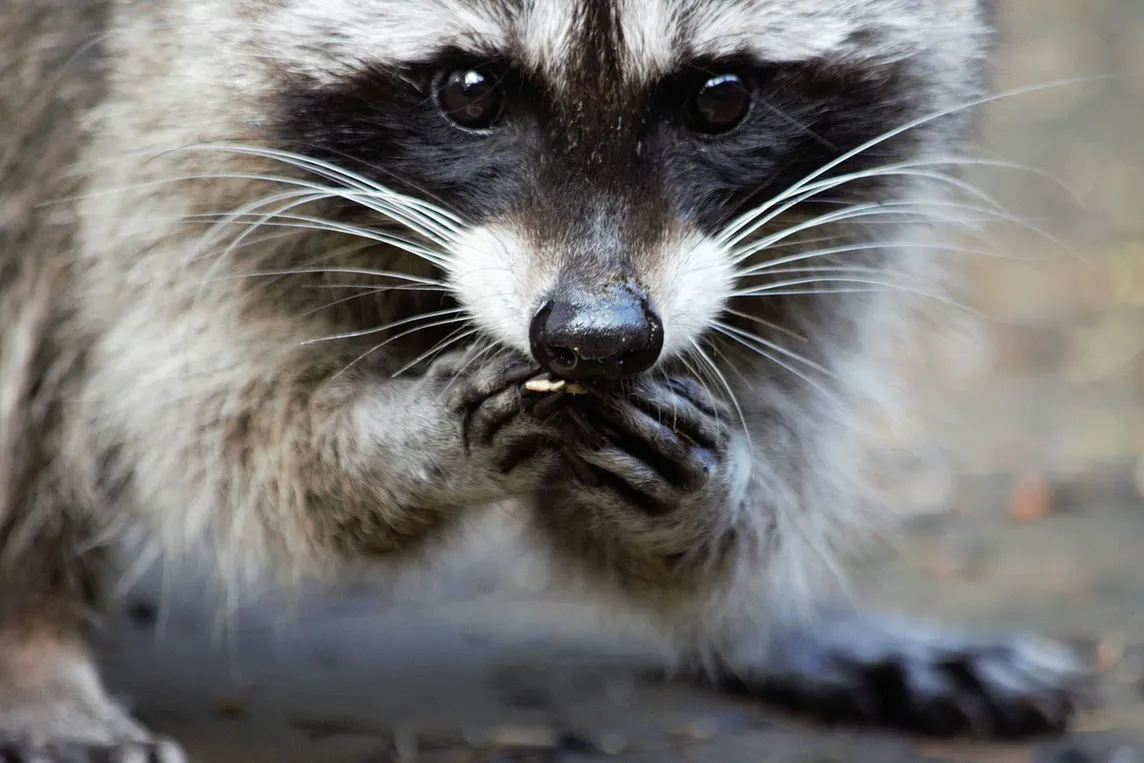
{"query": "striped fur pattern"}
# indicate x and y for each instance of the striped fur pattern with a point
(290, 294)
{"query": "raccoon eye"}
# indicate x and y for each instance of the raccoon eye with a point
(720, 104)
(470, 98)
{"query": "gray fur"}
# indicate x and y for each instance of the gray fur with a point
(163, 373)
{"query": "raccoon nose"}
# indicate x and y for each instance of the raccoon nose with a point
(607, 334)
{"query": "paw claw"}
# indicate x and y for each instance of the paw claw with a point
(648, 448)
(915, 680)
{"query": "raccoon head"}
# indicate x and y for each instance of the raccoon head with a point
(594, 156)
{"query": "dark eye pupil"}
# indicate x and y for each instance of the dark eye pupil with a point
(720, 103)
(470, 98)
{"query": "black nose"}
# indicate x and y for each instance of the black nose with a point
(605, 333)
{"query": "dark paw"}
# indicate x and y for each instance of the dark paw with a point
(654, 443)
(909, 678)
(14, 751)
(485, 394)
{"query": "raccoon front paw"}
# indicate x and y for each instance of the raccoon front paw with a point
(904, 676)
(23, 751)
(485, 397)
(661, 443)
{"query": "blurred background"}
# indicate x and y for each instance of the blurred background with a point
(1037, 408)
(1054, 384)
(1022, 492)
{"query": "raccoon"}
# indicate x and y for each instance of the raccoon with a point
(280, 275)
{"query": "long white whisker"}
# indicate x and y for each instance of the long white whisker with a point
(362, 293)
(747, 383)
(870, 209)
(299, 199)
(370, 289)
(290, 199)
(918, 122)
(731, 237)
(296, 198)
(701, 374)
(727, 387)
(386, 327)
(769, 324)
(771, 289)
(394, 338)
(811, 270)
(457, 336)
(774, 346)
(765, 353)
(771, 266)
(898, 168)
(398, 203)
(916, 208)
(332, 171)
(816, 292)
(435, 234)
(474, 357)
(303, 222)
(830, 183)
(338, 271)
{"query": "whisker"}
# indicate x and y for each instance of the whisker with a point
(337, 271)
(861, 270)
(369, 288)
(747, 382)
(457, 336)
(830, 183)
(702, 375)
(400, 201)
(733, 235)
(394, 206)
(727, 387)
(332, 171)
(890, 208)
(360, 295)
(763, 352)
(296, 198)
(966, 224)
(747, 335)
(394, 338)
(381, 237)
(772, 290)
(386, 327)
(248, 212)
(775, 265)
(864, 212)
(920, 121)
(769, 324)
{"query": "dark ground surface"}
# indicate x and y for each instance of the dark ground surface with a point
(485, 669)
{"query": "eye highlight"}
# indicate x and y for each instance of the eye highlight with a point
(470, 98)
(719, 104)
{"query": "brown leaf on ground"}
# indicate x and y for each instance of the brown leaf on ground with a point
(1029, 499)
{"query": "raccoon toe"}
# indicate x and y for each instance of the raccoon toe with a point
(486, 397)
(22, 751)
(923, 681)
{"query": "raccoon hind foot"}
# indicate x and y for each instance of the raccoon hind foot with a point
(54, 709)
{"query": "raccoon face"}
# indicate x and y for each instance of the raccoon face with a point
(595, 155)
